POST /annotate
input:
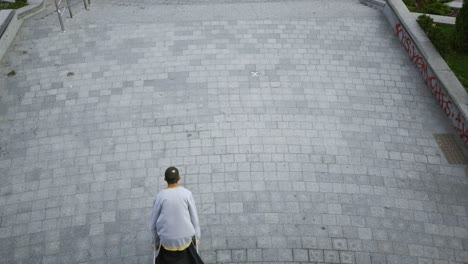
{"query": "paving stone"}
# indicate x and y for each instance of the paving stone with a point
(316, 255)
(364, 258)
(331, 256)
(365, 233)
(339, 244)
(239, 255)
(347, 257)
(300, 255)
(223, 256)
(254, 255)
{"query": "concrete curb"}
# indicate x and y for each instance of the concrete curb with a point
(32, 8)
(438, 19)
(446, 88)
(6, 16)
(11, 23)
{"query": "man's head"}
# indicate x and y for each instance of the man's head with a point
(171, 175)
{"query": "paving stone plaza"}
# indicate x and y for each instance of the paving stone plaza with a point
(302, 128)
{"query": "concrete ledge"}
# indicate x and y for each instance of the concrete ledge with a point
(10, 27)
(32, 8)
(5, 18)
(438, 19)
(455, 5)
(448, 91)
(12, 20)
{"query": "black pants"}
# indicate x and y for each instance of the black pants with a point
(187, 256)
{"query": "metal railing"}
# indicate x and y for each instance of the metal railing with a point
(61, 10)
(62, 5)
(86, 4)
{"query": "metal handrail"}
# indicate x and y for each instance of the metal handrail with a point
(87, 4)
(61, 10)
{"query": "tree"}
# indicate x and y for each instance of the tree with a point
(461, 29)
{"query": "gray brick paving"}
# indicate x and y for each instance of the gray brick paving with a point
(327, 156)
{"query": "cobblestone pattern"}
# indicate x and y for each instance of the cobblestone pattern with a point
(133, 12)
(189, 2)
(327, 156)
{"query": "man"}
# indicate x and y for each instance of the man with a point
(174, 223)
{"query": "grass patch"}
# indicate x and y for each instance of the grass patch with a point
(456, 60)
(17, 4)
(435, 7)
(458, 63)
(449, 29)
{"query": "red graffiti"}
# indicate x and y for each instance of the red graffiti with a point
(460, 127)
(398, 29)
(432, 82)
(416, 58)
(447, 108)
(411, 49)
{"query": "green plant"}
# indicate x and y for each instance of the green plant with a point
(409, 3)
(436, 8)
(458, 62)
(456, 59)
(17, 4)
(423, 3)
(426, 22)
(461, 29)
(439, 38)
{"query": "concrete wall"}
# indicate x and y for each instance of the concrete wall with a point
(447, 90)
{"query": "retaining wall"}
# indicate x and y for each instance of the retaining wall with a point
(447, 90)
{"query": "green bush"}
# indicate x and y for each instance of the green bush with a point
(409, 3)
(426, 22)
(439, 38)
(17, 4)
(461, 29)
(436, 8)
(422, 3)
